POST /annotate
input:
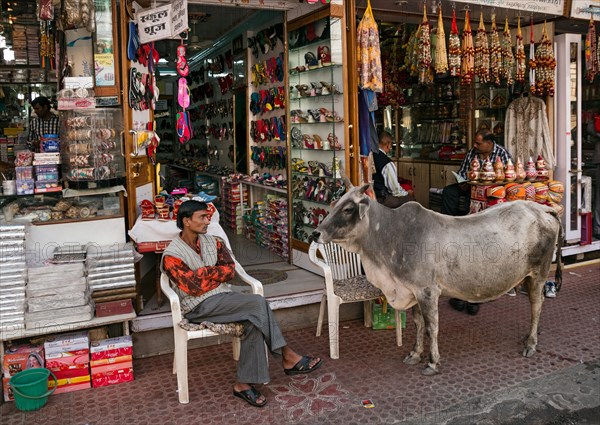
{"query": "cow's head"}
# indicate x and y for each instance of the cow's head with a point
(348, 218)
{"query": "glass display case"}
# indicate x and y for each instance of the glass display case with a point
(490, 110)
(91, 148)
(316, 105)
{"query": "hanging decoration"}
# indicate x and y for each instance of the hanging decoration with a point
(47, 45)
(441, 56)
(412, 53)
(424, 50)
(482, 53)
(454, 54)
(495, 53)
(468, 52)
(520, 55)
(508, 60)
(369, 53)
(544, 65)
(592, 53)
(532, 63)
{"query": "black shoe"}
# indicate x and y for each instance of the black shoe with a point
(472, 308)
(457, 304)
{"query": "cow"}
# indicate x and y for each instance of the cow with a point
(415, 255)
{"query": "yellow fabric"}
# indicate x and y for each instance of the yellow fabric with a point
(368, 53)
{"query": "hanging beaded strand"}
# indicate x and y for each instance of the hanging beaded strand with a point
(454, 54)
(532, 61)
(508, 59)
(520, 55)
(468, 52)
(424, 49)
(495, 53)
(482, 53)
(545, 65)
(441, 56)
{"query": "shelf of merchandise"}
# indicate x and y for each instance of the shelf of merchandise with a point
(327, 77)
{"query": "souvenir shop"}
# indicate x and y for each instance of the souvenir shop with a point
(257, 109)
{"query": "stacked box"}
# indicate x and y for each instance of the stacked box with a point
(111, 361)
(24, 177)
(12, 276)
(17, 358)
(57, 294)
(485, 196)
(46, 167)
(68, 358)
(111, 277)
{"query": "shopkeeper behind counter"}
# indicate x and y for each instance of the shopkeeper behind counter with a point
(45, 121)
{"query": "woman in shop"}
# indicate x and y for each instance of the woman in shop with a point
(44, 122)
(201, 265)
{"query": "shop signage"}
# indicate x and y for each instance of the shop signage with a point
(583, 9)
(162, 22)
(548, 7)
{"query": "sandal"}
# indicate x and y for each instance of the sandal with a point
(311, 60)
(183, 93)
(303, 366)
(324, 55)
(250, 396)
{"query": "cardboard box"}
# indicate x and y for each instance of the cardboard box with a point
(20, 357)
(72, 387)
(112, 378)
(71, 372)
(71, 384)
(477, 206)
(479, 192)
(67, 342)
(110, 344)
(8, 394)
(112, 308)
(111, 367)
(63, 362)
(110, 360)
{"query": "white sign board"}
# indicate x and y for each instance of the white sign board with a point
(162, 22)
(583, 9)
(549, 7)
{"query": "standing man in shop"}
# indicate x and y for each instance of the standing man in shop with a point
(484, 147)
(44, 122)
(385, 178)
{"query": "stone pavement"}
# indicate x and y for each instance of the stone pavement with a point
(484, 378)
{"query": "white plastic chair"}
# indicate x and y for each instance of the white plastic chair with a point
(344, 283)
(182, 336)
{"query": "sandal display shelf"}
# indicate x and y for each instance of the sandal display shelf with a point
(317, 124)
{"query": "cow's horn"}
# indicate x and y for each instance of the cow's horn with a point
(347, 181)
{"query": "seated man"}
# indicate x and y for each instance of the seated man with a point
(385, 178)
(200, 265)
(483, 148)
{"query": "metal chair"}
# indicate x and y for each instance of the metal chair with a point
(183, 331)
(344, 283)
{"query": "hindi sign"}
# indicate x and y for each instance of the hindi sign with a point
(549, 7)
(163, 22)
(583, 9)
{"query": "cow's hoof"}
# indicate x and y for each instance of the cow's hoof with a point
(412, 359)
(528, 351)
(429, 371)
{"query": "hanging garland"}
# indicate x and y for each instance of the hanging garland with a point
(441, 57)
(592, 53)
(508, 60)
(532, 63)
(424, 49)
(468, 52)
(482, 53)
(495, 53)
(544, 65)
(454, 54)
(520, 55)
(413, 53)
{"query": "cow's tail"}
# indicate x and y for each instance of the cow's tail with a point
(559, 244)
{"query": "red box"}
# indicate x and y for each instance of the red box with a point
(71, 372)
(67, 342)
(111, 378)
(112, 308)
(20, 357)
(63, 361)
(110, 360)
(111, 367)
(479, 192)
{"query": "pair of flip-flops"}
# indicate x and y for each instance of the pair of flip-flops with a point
(183, 93)
(133, 44)
(182, 65)
(184, 127)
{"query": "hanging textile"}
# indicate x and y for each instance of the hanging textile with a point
(495, 53)
(532, 62)
(482, 53)
(441, 57)
(454, 54)
(527, 131)
(369, 53)
(592, 52)
(424, 52)
(508, 60)
(544, 64)
(520, 55)
(468, 52)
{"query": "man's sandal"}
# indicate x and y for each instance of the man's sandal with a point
(250, 396)
(303, 366)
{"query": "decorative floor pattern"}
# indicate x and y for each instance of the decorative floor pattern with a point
(479, 355)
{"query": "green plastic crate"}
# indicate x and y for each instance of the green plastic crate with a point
(387, 320)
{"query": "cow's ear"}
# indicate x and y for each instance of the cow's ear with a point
(364, 188)
(363, 207)
(367, 189)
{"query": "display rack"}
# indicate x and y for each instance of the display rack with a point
(316, 79)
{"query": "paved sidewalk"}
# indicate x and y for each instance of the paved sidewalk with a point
(484, 379)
